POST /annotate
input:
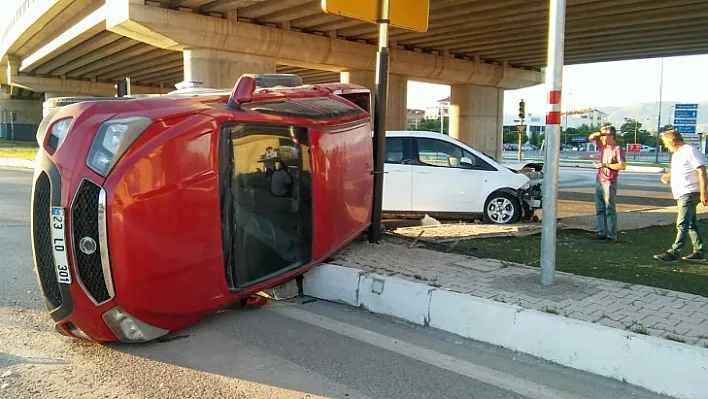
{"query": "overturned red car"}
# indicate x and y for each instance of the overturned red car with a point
(150, 214)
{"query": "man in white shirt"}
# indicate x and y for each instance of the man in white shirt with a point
(689, 186)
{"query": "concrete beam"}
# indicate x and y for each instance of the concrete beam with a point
(638, 37)
(128, 67)
(136, 50)
(80, 87)
(42, 21)
(223, 5)
(101, 40)
(119, 45)
(88, 27)
(164, 28)
(289, 14)
(268, 7)
(677, 49)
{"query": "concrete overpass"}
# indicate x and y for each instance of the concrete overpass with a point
(480, 48)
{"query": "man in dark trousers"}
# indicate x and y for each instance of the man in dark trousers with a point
(689, 186)
(612, 160)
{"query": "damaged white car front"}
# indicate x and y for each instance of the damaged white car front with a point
(531, 193)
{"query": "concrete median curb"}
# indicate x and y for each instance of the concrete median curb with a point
(656, 364)
(16, 163)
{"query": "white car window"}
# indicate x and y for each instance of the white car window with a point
(435, 152)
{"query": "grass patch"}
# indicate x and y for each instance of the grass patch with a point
(638, 329)
(551, 310)
(675, 338)
(18, 149)
(629, 260)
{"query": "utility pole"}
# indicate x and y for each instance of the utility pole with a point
(554, 77)
(442, 119)
(380, 120)
(658, 124)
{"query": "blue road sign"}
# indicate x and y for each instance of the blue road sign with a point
(579, 139)
(678, 122)
(686, 129)
(685, 118)
(679, 114)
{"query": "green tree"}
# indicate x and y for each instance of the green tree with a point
(511, 136)
(535, 139)
(432, 125)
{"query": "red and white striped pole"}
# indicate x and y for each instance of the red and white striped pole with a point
(554, 79)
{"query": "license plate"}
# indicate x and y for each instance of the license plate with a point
(61, 261)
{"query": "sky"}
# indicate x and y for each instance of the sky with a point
(602, 84)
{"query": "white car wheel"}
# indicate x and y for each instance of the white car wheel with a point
(502, 208)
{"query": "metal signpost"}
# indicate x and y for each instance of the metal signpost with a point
(554, 77)
(404, 14)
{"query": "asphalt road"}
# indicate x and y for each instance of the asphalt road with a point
(636, 192)
(287, 349)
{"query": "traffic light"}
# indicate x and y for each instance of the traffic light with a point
(522, 109)
(13, 115)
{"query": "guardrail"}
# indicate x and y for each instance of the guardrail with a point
(24, 6)
(649, 157)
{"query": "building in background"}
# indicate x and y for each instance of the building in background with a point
(534, 123)
(415, 116)
(443, 106)
(586, 116)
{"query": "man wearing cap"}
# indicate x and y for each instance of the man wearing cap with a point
(689, 187)
(612, 160)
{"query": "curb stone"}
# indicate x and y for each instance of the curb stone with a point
(656, 364)
(630, 168)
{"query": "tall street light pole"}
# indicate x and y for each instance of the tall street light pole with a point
(658, 124)
(554, 75)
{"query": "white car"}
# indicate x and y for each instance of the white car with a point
(432, 173)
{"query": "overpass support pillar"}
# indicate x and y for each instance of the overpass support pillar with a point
(397, 111)
(221, 69)
(477, 117)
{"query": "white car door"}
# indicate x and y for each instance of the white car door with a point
(397, 178)
(440, 184)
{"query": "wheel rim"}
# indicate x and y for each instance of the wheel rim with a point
(500, 210)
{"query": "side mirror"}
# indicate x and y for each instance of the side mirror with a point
(466, 161)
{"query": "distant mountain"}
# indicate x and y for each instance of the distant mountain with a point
(650, 110)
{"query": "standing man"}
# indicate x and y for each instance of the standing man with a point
(688, 185)
(611, 162)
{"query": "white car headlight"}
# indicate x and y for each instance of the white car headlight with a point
(112, 140)
(129, 329)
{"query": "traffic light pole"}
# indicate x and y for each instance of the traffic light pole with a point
(554, 77)
(522, 116)
(380, 122)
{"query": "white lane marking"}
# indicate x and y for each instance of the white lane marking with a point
(502, 380)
